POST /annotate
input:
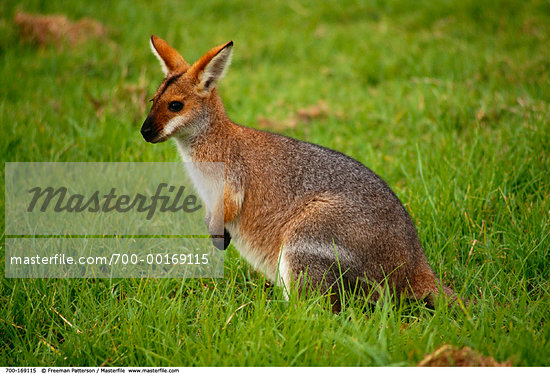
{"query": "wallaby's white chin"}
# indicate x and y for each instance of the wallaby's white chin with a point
(159, 139)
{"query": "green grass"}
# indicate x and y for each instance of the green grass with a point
(447, 101)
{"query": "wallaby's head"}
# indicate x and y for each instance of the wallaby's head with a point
(187, 99)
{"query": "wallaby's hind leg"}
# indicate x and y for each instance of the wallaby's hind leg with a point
(298, 273)
(335, 252)
(304, 267)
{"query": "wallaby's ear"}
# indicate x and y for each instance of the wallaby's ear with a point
(212, 66)
(170, 60)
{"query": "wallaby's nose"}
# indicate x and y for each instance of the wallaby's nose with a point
(148, 130)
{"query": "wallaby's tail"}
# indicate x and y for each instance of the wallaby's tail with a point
(453, 296)
(427, 286)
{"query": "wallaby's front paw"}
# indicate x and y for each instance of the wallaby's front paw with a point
(226, 239)
(222, 243)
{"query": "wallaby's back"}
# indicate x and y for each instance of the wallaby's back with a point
(298, 192)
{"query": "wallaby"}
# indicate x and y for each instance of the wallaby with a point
(296, 211)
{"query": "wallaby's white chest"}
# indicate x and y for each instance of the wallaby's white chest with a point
(210, 191)
(209, 186)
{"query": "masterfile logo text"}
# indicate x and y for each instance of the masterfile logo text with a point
(108, 220)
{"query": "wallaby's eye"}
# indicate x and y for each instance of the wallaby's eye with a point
(175, 106)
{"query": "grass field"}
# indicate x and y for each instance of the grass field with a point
(447, 100)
